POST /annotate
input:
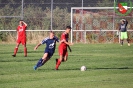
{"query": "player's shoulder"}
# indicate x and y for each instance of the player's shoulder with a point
(18, 26)
(63, 33)
(45, 39)
(55, 37)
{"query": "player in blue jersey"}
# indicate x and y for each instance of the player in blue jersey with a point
(49, 50)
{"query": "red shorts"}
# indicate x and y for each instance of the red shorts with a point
(63, 51)
(21, 40)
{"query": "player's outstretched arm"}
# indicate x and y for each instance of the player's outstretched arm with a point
(69, 48)
(71, 44)
(35, 48)
(61, 41)
(68, 43)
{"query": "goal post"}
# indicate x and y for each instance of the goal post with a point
(97, 20)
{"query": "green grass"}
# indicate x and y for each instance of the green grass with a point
(108, 66)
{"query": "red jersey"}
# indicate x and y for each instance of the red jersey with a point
(21, 31)
(64, 36)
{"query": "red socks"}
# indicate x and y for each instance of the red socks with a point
(58, 64)
(15, 50)
(25, 52)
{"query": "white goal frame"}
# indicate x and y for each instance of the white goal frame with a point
(100, 8)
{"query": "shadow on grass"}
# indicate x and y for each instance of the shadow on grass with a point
(20, 51)
(114, 68)
(87, 69)
(100, 68)
(35, 51)
(18, 60)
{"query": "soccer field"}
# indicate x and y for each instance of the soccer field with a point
(108, 66)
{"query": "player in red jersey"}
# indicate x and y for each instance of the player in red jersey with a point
(63, 47)
(21, 37)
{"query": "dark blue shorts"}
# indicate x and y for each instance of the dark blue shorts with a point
(50, 54)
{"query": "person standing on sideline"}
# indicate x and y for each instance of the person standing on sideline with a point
(63, 54)
(21, 37)
(123, 31)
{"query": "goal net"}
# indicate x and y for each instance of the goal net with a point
(98, 24)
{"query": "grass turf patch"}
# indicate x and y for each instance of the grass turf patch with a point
(108, 66)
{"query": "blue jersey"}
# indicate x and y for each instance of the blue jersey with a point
(50, 45)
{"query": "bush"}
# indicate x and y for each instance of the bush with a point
(3, 36)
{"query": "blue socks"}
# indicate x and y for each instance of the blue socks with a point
(40, 63)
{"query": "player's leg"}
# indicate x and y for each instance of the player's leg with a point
(128, 41)
(42, 61)
(121, 38)
(66, 56)
(63, 57)
(25, 48)
(127, 37)
(58, 61)
(121, 42)
(16, 49)
(46, 57)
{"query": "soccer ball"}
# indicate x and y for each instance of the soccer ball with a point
(83, 68)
